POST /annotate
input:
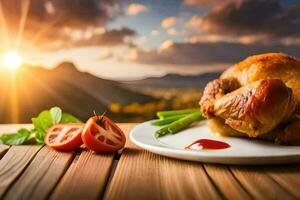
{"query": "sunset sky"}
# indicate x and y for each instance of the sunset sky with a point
(133, 39)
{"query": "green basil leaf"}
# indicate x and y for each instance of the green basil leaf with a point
(16, 138)
(56, 114)
(41, 125)
(39, 137)
(67, 118)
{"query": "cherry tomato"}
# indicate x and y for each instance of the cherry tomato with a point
(100, 134)
(65, 136)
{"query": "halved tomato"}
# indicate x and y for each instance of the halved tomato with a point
(100, 134)
(65, 136)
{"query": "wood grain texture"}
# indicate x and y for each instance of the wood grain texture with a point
(13, 163)
(288, 176)
(29, 172)
(226, 182)
(41, 176)
(86, 178)
(259, 184)
(3, 149)
(126, 128)
(144, 175)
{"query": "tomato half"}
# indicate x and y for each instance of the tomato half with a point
(102, 135)
(65, 136)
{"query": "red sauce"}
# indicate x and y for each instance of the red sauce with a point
(207, 144)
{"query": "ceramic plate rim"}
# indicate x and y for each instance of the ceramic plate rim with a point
(168, 149)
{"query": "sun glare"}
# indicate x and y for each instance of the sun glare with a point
(12, 60)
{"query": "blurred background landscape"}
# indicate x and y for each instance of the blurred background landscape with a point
(129, 59)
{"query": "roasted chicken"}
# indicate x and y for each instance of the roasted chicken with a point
(258, 98)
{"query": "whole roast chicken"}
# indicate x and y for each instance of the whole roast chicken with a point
(258, 98)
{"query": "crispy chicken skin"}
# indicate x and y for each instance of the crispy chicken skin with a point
(259, 97)
(267, 66)
(214, 90)
(251, 109)
(286, 133)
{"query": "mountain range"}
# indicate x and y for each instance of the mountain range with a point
(29, 90)
(175, 80)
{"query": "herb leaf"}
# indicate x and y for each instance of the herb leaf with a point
(48, 118)
(67, 118)
(56, 114)
(39, 136)
(16, 138)
(41, 124)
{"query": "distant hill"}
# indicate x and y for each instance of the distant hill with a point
(175, 80)
(33, 89)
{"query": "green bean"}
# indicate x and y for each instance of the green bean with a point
(161, 132)
(169, 113)
(179, 124)
(182, 123)
(167, 120)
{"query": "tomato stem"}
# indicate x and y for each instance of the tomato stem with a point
(100, 119)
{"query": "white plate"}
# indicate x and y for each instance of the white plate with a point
(242, 151)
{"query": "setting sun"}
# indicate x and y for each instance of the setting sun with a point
(12, 60)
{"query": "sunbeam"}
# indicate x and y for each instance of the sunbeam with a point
(43, 30)
(4, 27)
(24, 14)
(14, 101)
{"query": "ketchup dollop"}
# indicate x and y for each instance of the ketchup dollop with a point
(207, 144)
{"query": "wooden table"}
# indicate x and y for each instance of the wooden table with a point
(37, 172)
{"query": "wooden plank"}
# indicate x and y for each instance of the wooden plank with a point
(259, 184)
(288, 176)
(144, 175)
(9, 128)
(86, 178)
(41, 176)
(97, 169)
(13, 163)
(3, 149)
(226, 182)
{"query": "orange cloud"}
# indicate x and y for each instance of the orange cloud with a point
(200, 2)
(57, 23)
(166, 45)
(135, 8)
(172, 31)
(142, 40)
(168, 22)
(195, 22)
(105, 54)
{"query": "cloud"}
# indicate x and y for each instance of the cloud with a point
(203, 53)
(251, 17)
(166, 45)
(172, 31)
(113, 37)
(142, 40)
(47, 20)
(210, 38)
(200, 2)
(135, 8)
(72, 12)
(195, 22)
(168, 22)
(105, 55)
